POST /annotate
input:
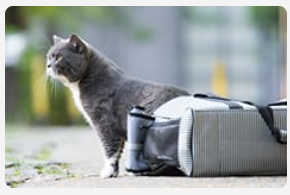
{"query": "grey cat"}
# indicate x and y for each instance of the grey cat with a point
(103, 93)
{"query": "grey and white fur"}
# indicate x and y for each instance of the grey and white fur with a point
(103, 93)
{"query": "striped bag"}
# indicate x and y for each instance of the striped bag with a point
(205, 135)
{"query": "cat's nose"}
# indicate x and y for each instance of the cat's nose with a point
(49, 65)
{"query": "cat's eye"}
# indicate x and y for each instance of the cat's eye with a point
(56, 57)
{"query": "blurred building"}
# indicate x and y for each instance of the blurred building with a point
(186, 50)
(226, 35)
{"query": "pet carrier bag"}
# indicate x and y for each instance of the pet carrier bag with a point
(206, 135)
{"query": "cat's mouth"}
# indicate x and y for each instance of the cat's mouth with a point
(50, 71)
(56, 73)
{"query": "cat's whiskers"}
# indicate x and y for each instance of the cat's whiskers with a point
(39, 83)
(52, 87)
(44, 80)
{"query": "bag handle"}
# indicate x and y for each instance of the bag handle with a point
(210, 96)
(279, 103)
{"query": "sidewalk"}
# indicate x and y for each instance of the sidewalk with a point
(72, 157)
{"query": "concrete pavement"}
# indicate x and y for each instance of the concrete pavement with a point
(74, 159)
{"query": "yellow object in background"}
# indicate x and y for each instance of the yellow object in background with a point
(219, 81)
(40, 92)
(40, 104)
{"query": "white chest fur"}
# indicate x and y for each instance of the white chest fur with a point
(74, 87)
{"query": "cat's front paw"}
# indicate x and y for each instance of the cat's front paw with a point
(109, 171)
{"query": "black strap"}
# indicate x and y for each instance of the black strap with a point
(265, 111)
(267, 114)
(213, 97)
(279, 103)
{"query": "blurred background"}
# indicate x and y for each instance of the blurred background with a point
(237, 52)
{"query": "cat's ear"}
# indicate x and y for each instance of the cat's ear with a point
(77, 43)
(56, 39)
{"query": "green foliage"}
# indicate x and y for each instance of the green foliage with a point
(49, 170)
(69, 17)
(24, 87)
(44, 154)
(58, 108)
(203, 16)
(266, 17)
(8, 149)
(22, 165)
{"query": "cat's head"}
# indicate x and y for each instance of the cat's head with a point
(67, 59)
